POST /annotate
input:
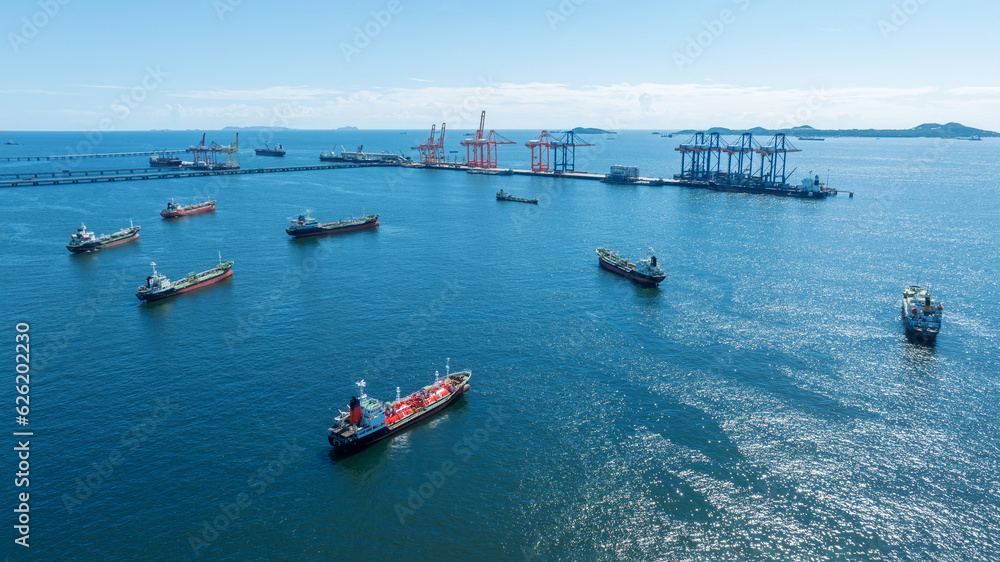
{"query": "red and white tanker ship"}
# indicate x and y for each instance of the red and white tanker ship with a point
(370, 420)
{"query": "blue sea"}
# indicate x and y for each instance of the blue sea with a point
(763, 403)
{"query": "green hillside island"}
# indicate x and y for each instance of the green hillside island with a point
(932, 130)
(591, 131)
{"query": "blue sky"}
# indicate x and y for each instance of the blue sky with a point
(206, 64)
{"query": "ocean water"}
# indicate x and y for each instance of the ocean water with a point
(763, 403)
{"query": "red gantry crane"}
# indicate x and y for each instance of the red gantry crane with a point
(481, 150)
(432, 151)
(540, 152)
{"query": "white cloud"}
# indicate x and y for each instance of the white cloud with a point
(276, 93)
(551, 106)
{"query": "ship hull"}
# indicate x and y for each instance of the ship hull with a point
(269, 153)
(518, 200)
(345, 449)
(185, 213)
(916, 333)
(319, 231)
(764, 191)
(639, 278)
(150, 297)
(83, 248)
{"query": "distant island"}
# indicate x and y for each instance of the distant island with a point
(591, 131)
(254, 128)
(932, 130)
(347, 128)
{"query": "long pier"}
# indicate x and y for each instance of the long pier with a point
(103, 176)
(81, 156)
(65, 177)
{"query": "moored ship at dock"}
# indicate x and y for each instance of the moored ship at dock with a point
(175, 210)
(921, 313)
(502, 195)
(369, 420)
(85, 241)
(361, 157)
(164, 160)
(158, 286)
(645, 272)
(810, 188)
(305, 225)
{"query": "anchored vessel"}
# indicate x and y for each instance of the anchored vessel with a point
(159, 287)
(175, 210)
(268, 151)
(921, 313)
(645, 272)
(504, 196)
(308, 226)
(370, 421)
(85, 241)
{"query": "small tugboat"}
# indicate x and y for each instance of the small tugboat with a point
(268, 151)
(175, 210)
(370, 421)
(504, 196)
(85, 241)
(921, 313)
(159, 287)
(308, 226)
(646, 272)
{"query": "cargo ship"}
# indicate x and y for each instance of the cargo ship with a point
(308, 226)
(491, 171)
(504, 196)
(361, 157)
(268, 151)
(369, 420)
(164, 160)
(810, 188)
(921, 313)
(645, 272)
(159, 287)
(175, 210)
(85, 241)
